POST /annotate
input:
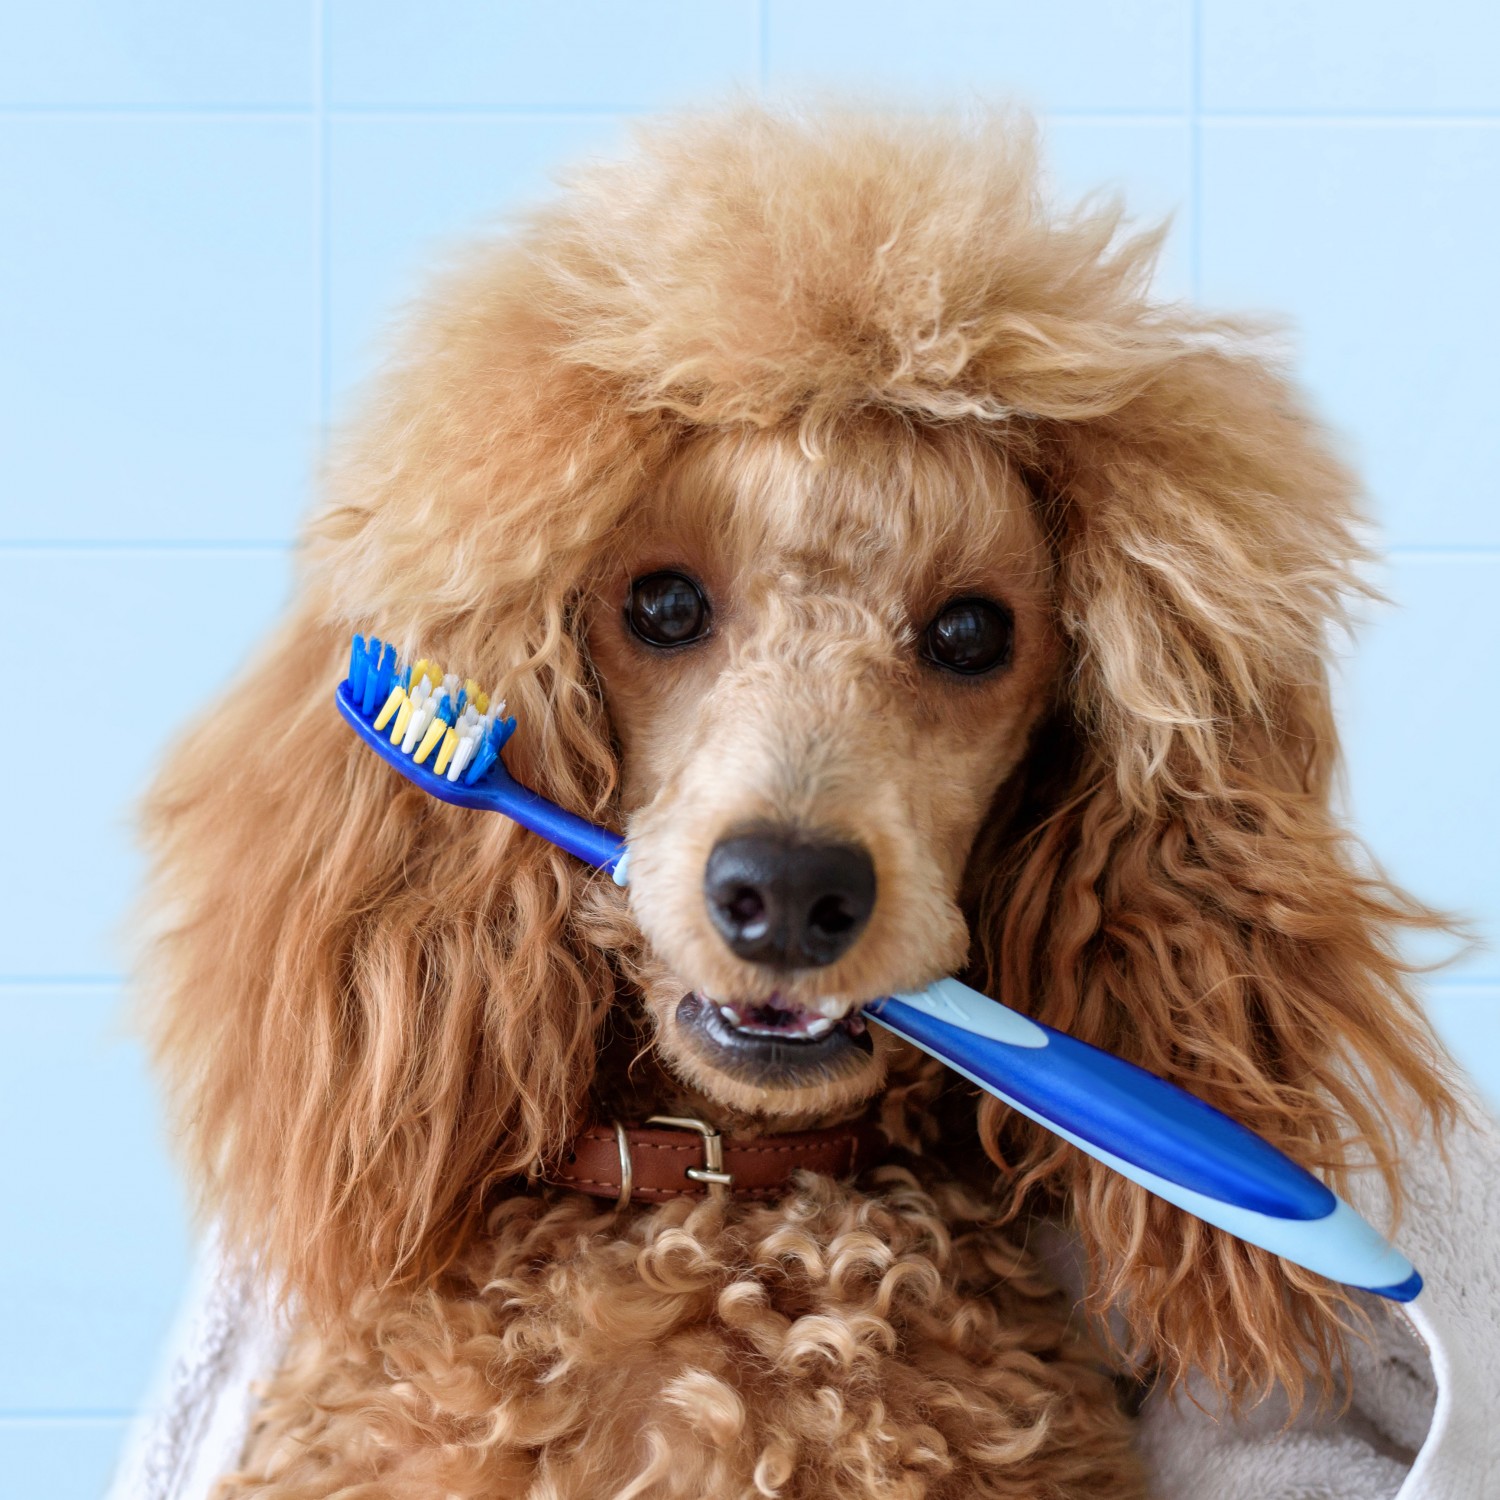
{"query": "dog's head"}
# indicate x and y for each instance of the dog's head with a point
(919, 598)
(821, 668)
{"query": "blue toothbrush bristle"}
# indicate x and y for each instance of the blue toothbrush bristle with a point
(357, 667)
(364, 688)
(369, 692)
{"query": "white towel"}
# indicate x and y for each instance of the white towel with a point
(1424, 1418)
(227, 1338)
(1423, 1422)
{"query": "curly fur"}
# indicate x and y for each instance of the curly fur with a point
(834, 1344)
(374, 1011)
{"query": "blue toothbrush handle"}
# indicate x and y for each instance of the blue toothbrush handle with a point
(586, 841)
(1151, 1132)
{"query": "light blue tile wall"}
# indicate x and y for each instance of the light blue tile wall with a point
(1096, 55)
(588, 55)
(70, 1457)
(1380, 56)
(1421, 718)
(207, 212)
(105, 54)
(83, 1314)
(162, 624)
(1376, 237)
(405, 189)
(161, 309)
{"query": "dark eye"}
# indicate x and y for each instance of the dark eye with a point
(969, 636)
(667, 609)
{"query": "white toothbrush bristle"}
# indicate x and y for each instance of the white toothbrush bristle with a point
(416, 727)
(461, 757)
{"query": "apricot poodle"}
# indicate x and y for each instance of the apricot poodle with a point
(851, 531)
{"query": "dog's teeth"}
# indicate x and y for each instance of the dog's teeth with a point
(821, 1027)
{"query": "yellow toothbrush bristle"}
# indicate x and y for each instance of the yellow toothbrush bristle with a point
(430, 740)
(482, 702)
(445, 751)
(403, 718)
(397, 698)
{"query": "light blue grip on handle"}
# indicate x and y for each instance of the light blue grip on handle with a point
(1151, 1132)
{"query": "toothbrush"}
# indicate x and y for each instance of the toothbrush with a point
(446, 737)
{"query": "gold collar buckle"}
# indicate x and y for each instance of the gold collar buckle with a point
(712, 1171)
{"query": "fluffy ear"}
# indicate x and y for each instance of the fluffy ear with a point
(1174, 886)
(368, 1005)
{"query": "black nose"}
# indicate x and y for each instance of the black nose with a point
(779, 898)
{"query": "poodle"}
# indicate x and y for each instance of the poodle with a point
(853, 532)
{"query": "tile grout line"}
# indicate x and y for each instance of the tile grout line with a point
(63, 1416)
(1353, 116)
(1476, 550)
(530, 112)
(565, 109)
(321, 201)
(145, 544)
(1195, 149)
(155, 111)
(474, 109)
(62, 981)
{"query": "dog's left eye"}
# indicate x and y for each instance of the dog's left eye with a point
(969, 636)
(667, 609)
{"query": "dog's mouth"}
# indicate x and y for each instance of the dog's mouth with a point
(770, 1041)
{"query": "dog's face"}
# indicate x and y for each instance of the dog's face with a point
(819, 674)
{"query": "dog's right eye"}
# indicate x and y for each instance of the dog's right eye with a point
(667, 609)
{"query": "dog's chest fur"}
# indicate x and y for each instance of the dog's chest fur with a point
(874, 1342)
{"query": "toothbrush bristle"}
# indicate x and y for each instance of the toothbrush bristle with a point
(437, 720)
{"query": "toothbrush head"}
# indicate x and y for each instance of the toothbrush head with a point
(441, 733)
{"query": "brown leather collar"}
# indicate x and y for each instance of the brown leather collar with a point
(681, 1157)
